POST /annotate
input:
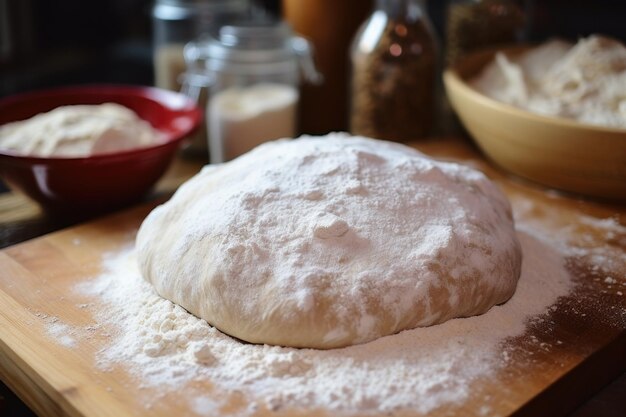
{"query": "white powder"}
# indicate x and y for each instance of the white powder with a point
(61, 332)
(592, 241)
(374, 234)
(80, 130)
(241, 118)
(585, 82)
(164, 346)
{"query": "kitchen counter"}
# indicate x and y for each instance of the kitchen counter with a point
(20, 220)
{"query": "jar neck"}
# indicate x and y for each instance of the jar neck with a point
(409, 9)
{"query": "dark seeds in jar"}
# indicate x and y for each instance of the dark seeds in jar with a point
(393, 86)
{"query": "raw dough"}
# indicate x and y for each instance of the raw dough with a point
(333, 241)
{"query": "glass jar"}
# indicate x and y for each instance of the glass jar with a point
(176, 22)
(394, 65)
(253, 72)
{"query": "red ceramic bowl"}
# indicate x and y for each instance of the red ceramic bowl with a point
(101, 181)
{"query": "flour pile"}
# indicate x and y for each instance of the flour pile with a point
(421, 369)
(585, 82)
(79, 131)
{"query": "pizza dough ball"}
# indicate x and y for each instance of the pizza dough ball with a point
(331, 241)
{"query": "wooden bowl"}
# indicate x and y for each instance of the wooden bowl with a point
(557, 152)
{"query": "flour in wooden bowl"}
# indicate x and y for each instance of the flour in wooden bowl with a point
(584, 82)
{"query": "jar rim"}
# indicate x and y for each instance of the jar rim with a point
(250, 41)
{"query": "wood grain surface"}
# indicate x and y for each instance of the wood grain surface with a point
(556, 364)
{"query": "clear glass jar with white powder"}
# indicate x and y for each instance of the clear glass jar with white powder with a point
(253, 71)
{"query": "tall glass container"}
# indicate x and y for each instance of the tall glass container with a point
(176, 22)
(394, 64)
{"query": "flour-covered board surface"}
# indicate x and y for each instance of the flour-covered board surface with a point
(81, 335)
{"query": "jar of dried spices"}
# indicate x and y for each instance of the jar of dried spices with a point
(476, 24)
(394, 62)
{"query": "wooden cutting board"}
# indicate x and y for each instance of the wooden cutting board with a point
(543, 378)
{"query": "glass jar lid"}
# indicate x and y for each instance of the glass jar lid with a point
(253, 43)
(256, 47)
(242, 46)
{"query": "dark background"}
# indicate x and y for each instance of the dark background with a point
(49, 43)
(45, 43)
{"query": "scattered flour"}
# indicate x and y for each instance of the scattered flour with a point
(595, 242)
(422, 369)
(61, 332)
